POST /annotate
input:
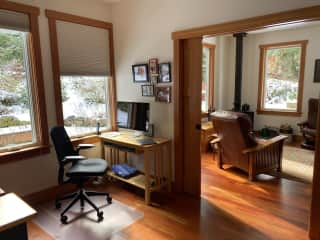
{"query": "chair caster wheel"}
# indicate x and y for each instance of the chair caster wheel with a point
(64, 219)
(109, 200)
(100, 216)
(58, 205)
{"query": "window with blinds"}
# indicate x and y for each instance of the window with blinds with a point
(84, 73)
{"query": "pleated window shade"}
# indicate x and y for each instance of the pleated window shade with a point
(83, 50)
(14, 21)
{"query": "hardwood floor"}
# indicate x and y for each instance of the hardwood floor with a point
(230, 208)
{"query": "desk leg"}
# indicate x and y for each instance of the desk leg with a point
(102, 150)
(146, 158)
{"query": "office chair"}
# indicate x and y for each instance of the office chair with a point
(80, 170)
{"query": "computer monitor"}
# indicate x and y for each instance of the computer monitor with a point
(133, 115)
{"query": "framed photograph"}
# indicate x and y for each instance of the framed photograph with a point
(165, 73)
(140, 73)
(317, 71)
(154, 79)
(147, 90)
(153, 66)
(163, 94)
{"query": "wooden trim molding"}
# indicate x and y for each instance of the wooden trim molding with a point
(314, 230)
(23, 153)
(53, 17)
(49, 194)
(178, 114)
(263, 50)
(253, 23)
(19, 7)
(66, 17)
(37, 88)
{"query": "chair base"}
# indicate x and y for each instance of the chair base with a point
(308, 145)
(83, 196)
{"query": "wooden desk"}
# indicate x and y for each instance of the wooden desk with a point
(156, 157)
(14, 213)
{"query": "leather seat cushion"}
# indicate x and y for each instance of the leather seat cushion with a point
(88, 167)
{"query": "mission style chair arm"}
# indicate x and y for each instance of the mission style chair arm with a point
(266, 156)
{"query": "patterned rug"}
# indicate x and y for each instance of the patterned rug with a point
(297, 164)
(83, 224)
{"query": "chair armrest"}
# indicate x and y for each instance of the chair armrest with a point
(262, 144)
(75, 158)
(85, 146)
(302, 124)
(215, 140)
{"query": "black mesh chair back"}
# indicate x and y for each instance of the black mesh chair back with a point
(62, 143)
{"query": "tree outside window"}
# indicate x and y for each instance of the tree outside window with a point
(281, 77)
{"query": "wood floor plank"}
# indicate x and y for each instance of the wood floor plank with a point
(231, 207)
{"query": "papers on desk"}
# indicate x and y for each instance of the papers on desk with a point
(112, 134)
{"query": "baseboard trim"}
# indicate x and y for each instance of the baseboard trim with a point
(49, 193)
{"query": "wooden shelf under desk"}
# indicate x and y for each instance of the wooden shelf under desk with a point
(156, 157)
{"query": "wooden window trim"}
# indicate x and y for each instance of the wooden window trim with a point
(263, 49)
(53, 17)
(212, 50)
(37, 88)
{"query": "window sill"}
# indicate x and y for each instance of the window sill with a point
(279, 113)
(23, 153)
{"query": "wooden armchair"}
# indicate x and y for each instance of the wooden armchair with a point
(308, 127)
(239, 148)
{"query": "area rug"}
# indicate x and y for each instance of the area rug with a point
(297, 164)
(83, 225)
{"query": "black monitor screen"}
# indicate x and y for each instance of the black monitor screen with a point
(133, 115)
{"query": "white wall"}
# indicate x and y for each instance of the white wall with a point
(35, 174)
(251, 71)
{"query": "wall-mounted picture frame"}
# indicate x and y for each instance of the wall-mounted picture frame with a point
(163, 94)
(165, 73)
(317, 71)
(147, 90)
(153, 66)
(154, 79)
(140, 73)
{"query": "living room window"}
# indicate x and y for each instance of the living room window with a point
(208, 51)
(23, 121)
(82, 57)
(281, 78)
